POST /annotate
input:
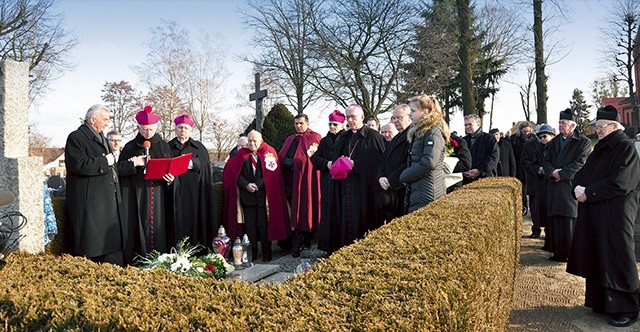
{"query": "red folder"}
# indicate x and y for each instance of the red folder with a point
(158, 167)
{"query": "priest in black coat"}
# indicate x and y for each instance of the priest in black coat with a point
(147, 202)
(607, 188)
(193, 201)
(355, 198)
(394, 160)
(96, 220)
(328, 227)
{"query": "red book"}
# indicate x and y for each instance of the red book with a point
(158, 167)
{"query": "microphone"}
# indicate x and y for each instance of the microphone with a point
(146, 146)
(6, 197)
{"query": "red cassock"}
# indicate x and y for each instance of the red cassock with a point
(305, 195)
(277, 214)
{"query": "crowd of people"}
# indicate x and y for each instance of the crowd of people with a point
(356, 178)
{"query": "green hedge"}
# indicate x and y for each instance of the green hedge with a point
(447, 267)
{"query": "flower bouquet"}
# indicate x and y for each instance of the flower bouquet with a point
(182, 259)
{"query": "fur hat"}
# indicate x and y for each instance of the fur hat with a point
(567, 115)
(608, 113)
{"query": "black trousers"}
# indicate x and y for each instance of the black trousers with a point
(255, 226)
(561, 235)
(610, 301)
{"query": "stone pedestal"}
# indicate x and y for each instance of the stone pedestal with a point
(20, 173)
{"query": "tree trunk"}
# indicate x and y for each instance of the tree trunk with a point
(464, 53)
(541, 77)
(630, 75)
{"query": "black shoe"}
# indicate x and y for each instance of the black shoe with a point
(534, 236)
(622, 321)
(295, 253)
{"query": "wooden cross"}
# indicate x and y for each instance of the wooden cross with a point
(258, 95)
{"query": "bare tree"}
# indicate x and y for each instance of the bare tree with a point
(525, 94)
(620, 41)
(205, 76)
(283, 29)
(167, 104)
(359, 47)
(165, 72)
(224, 134)
(123, 101)
(607, 87)
(31, 32)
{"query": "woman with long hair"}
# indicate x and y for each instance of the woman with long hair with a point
(424, 175)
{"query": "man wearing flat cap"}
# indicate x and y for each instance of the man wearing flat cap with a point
(147, 202)
(567, 153)
(602, 252)
(193, 203)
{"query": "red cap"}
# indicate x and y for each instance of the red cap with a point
(146, 117)
(183, 118)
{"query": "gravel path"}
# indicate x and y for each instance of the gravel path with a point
(546, 298)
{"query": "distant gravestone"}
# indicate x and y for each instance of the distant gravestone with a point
(258, 95)
(19, 173)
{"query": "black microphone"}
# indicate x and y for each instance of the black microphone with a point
(146, 146)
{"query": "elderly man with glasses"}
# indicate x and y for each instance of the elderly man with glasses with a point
(322, 161)
(607, 189)
(394, 161)
(567, 153)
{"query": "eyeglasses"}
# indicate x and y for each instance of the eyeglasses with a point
(543, 136)
(600, 127)
(115, 140)
(331, 124)
(398, 117)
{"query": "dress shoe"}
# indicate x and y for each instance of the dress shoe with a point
(622, 321)
(296, 253)
(534, 236)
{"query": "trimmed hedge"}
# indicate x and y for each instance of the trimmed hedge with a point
(447, 267)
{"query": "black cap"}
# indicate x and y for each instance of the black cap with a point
(493, 131)
(608, 113)
(567, 115)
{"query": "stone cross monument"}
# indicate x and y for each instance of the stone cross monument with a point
(258, 95)
(20, 174)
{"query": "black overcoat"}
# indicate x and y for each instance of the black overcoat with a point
(93, 195)
(354, 197)
(147, 203)
(394, 161)
(193, 201)
(485, 154)
(603, 246)
(328, 230)
(570, 159)
(507, 161)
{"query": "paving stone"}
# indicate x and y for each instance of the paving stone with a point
(277, 278)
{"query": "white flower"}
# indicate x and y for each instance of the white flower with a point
(166, 258)
(199, 269)
(181, 264)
